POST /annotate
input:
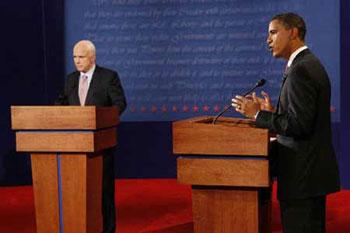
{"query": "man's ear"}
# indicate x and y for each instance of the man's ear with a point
(294, 33)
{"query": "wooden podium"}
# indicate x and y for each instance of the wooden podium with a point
(227, 166)
(66, 144)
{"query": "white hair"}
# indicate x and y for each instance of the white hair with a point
(88, 44)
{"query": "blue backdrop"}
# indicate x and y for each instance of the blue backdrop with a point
(184, 58)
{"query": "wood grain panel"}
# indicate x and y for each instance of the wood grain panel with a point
(106, 117)
(82, 193)
(225, 211)
(55, 141)
(73, 175)
(83, 141)
(105, 139)
(45, 186)
(63, 117)
(230, 136)
(231, 121)
(94, 194)
(226, 172)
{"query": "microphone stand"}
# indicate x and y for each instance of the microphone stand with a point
(230, 106)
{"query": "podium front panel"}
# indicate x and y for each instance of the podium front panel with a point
(65, 141)
(198, 136)
(223, 172)
(63, 117)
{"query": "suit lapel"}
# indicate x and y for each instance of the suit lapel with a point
(287, 72)
(89, 96)
(284, 78)
(76, 100)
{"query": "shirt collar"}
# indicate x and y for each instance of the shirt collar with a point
(294, 54)
(89, 73)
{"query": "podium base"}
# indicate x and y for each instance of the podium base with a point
(229, 210)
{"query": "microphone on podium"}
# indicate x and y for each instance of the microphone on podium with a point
(260, 83)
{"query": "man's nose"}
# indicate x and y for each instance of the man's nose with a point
(268, 40)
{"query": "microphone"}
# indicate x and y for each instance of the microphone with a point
(259, 83)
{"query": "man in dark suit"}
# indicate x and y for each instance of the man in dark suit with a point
(94, 85)
(303, 158)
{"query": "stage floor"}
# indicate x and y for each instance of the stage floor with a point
(151, 206)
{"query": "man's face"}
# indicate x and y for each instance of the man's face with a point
(279, 40)
(84, 59)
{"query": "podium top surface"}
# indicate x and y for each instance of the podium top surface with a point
(223, 121)
(228, 136)
(63, 117)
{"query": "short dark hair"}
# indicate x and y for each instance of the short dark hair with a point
(292, 20)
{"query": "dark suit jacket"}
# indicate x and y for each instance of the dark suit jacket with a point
(105, 90)
(305, 162)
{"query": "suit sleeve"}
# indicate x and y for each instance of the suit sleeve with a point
(116, 93)
(299, 107)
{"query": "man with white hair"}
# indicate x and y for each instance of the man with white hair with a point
(93, 85)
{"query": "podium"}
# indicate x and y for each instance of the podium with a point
(228, 168)
(66, 145)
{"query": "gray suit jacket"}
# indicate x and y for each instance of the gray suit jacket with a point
(303, 157)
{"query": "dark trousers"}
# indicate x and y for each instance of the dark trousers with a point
(304, 215)
(108, 205)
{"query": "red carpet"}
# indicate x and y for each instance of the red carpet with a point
(151, 206)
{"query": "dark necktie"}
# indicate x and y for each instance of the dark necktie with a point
(285, 73)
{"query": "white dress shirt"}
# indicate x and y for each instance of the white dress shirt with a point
(88, 74)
